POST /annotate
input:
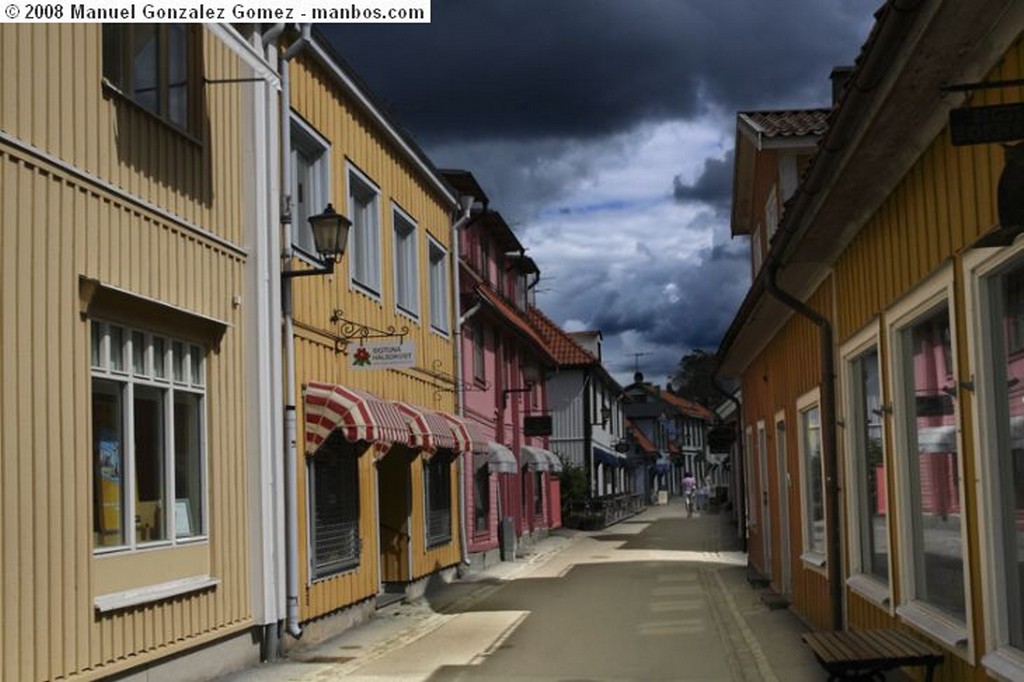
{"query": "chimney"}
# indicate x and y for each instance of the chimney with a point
(839, 76)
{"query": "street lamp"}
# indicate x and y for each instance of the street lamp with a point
(330, 235)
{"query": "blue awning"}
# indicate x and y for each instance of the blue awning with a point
(609, 459)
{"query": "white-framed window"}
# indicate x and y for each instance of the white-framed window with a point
(333, 474)
(994, 280)
(148, 438)
(406, 236)
(364, 235)
(438, 264)
(927, 462)
(152, 65)
(812, 478)
(867, 467)
(311, 181)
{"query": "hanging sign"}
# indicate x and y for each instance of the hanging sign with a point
(383, 355)
(983, 125)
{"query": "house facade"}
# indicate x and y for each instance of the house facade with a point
(586, 409)
(135, 197)
(504, 391)
(377, 488)
(877, 351)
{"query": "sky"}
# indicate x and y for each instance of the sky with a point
(603, 131)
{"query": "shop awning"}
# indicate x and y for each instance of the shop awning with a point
(427, 429)
(468, 436)
(535, 458)
(500, 459)
(358, 415)
(606, 458)
(553, 462)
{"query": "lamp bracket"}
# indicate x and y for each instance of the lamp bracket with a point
(349, 330)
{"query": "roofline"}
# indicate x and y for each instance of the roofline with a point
(324, 54)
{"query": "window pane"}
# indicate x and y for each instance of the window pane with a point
(188, 465)
(196, 364)
(481, 497)
(108, 464)
(365, 265)
(113, 52)
(150, 464)
(116, 337)
(812, 461)
(159, 357)
(405, 264)
(438, 289)
(139, 353)
(177, 76)
(939, 578)
(871, 468)
(335, 484)
(1010, 374)
(178, 360)
(145, 59)
(96, 339)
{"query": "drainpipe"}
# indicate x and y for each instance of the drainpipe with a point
(290, 448)
(466, 204)
(828, 438)
(741, 518)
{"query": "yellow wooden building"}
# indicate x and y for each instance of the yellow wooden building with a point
(893, 494)
(131, 200)
(375, 514)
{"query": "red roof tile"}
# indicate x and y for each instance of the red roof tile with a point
(687, 406)
(643, 441)
(514, 317)
(562, 346)
(791, 123)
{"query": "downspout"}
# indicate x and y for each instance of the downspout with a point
(462, 473)
(290, 448)
(828, 438)
(741, 518)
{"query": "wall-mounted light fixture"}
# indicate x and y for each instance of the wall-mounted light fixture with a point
(606, 416)
(532, 375)
(330, 235)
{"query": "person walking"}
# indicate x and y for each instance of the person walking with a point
(689, 488)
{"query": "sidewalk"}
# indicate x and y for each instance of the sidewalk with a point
(758, 643)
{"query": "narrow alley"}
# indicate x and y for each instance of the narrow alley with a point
(656, 597)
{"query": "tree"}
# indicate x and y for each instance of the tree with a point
(693, 379)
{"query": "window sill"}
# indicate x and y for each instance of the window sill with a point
(935, 625)
(116, 601)
(406, 313)
(443, 333)
(365, 290)
(335, 573)
(813, 559)
(872, 589)
(1005, 663)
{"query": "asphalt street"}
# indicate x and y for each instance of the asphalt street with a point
(658, 596)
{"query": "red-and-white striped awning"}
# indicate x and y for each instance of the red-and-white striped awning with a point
(427, 429)
(360, 416)
(468, 436)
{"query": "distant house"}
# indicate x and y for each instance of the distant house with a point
(680, 425)
(586, 408)
(879, 348)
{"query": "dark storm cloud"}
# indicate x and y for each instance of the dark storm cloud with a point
(714, 186)
(585, 68)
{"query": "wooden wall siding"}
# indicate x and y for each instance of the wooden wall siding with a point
(55, 228)
(786, 369)
(52, 97)
(945, 202)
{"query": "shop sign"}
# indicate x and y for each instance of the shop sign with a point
(537, 425)
(383, 355)
(984, 125)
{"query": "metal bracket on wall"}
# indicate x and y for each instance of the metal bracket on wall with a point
(349, 330)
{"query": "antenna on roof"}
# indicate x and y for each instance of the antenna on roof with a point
(636, 360)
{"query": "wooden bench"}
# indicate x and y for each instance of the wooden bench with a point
(867, 654)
